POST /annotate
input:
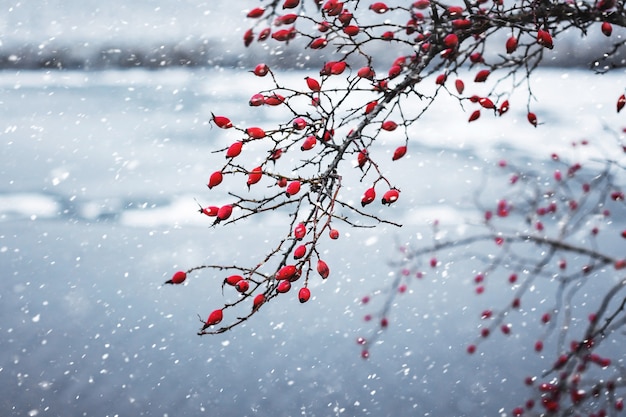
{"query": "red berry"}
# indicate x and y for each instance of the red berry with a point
(481, 76)
(275, 154)
(299, 123)
(362, 158)
(233, 280)
(474, 116)
(322, 269)
(517, 412)
(511, 45)
(286, 272)
(318, 43)
(390, 196)
(451, 41)
(532, 118)
(607, 29)
(257, 302)
(455, 11)
(461, 23)
(222, 122)
(381, 85)
(323, 26)
(459, 85)
(293, 188)
(389, 125)
(399, 153)
(283, 287)
(368, 196)
(234, 150)
(210, 211)
(291, 4)
(486, 103)
(504, 107)
(256, 12)
(263, 35)
(261, 70)
(257, 100)
(394, 71)
(327, 67)
(224, 212)
(284, 35)
(337, 68)
(447, 53)
(273, 100)
(177, 278)
(300, 231)
(242, 286)
(351, 30)
(248, 37)
(621, 101)
(313, 84)
(476, 57)
(379, 7)
(214, 318)
(544, 39)
(286, 19)
(299, 252)
(309, 143)
(334, 234)
(366, 72)
(215, 179)
(282, 182)
(254, 176)
(369, 107)
(255, 132)
(304, 294)
(345, 17)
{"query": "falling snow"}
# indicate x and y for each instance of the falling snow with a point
(101, 178)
